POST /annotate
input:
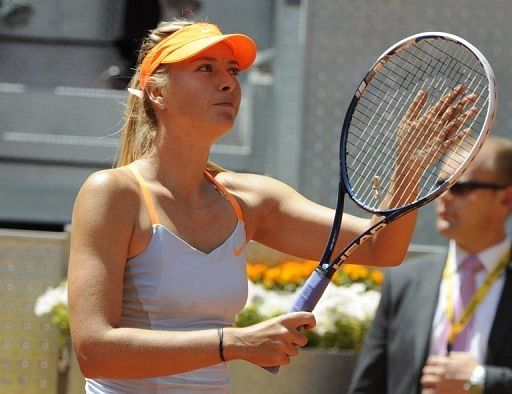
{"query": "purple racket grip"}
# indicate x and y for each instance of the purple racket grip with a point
(307, 299)
(310, 293)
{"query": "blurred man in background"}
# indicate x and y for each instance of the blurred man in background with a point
(444, 323)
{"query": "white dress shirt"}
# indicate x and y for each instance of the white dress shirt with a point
(486, 310)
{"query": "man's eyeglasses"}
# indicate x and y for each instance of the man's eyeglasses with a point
(463, 188)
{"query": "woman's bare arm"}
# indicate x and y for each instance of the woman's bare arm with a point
(281, 218)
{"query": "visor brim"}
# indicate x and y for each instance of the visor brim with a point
(243, 47)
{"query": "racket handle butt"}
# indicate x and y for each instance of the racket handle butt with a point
(274, 369)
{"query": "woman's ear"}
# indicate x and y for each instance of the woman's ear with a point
(156, 95)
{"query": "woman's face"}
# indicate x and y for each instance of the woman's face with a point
(203, 94)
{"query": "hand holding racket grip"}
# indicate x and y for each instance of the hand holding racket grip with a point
(307, 299)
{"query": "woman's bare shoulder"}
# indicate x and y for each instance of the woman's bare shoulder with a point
(258, 195)
(252, 184)
(113, 181)
(113, 190)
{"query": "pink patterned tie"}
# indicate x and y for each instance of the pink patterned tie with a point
(469, 269)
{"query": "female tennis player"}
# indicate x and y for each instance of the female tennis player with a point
(157, 269)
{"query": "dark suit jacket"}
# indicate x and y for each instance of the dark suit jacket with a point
(398, 342)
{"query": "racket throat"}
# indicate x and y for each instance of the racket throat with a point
(326, 270)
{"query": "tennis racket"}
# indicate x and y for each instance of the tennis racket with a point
(415, 123)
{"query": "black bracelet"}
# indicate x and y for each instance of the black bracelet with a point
(220, 332)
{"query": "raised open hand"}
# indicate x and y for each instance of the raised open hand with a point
(424, 137)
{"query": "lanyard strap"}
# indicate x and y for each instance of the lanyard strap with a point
(449, 269)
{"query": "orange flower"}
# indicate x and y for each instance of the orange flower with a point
(288, 274)
(336, 280)
(355, 272)
(307, 267)
(377, 277)
(293, 273)
(271, 276)
(255, 271)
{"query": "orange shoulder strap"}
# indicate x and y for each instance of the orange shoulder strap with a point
(232, 200)
(148, 199)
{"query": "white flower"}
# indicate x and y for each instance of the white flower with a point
(338, 302)
(268, 302)
(52, 297)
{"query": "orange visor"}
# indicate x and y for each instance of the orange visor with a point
(192, 40)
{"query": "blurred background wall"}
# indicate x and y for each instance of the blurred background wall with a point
(61, 101)
(62, 91)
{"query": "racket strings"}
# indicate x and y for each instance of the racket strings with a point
(386, 137)
(391, 108)
(473, 82)
(373, 112)
(379, 158)
(384, 83)
(384, 132)
(400, 104)
(381, 131)
(422, 167)
(458, 155)
(432, 176)
(443, 169)
(433, 58)
(429, 168)
(477, 71)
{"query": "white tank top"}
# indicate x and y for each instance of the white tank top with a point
(171, 285)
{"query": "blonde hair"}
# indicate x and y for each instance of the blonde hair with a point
(140, 126)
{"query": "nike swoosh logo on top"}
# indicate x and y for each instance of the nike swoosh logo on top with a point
(238, 251)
